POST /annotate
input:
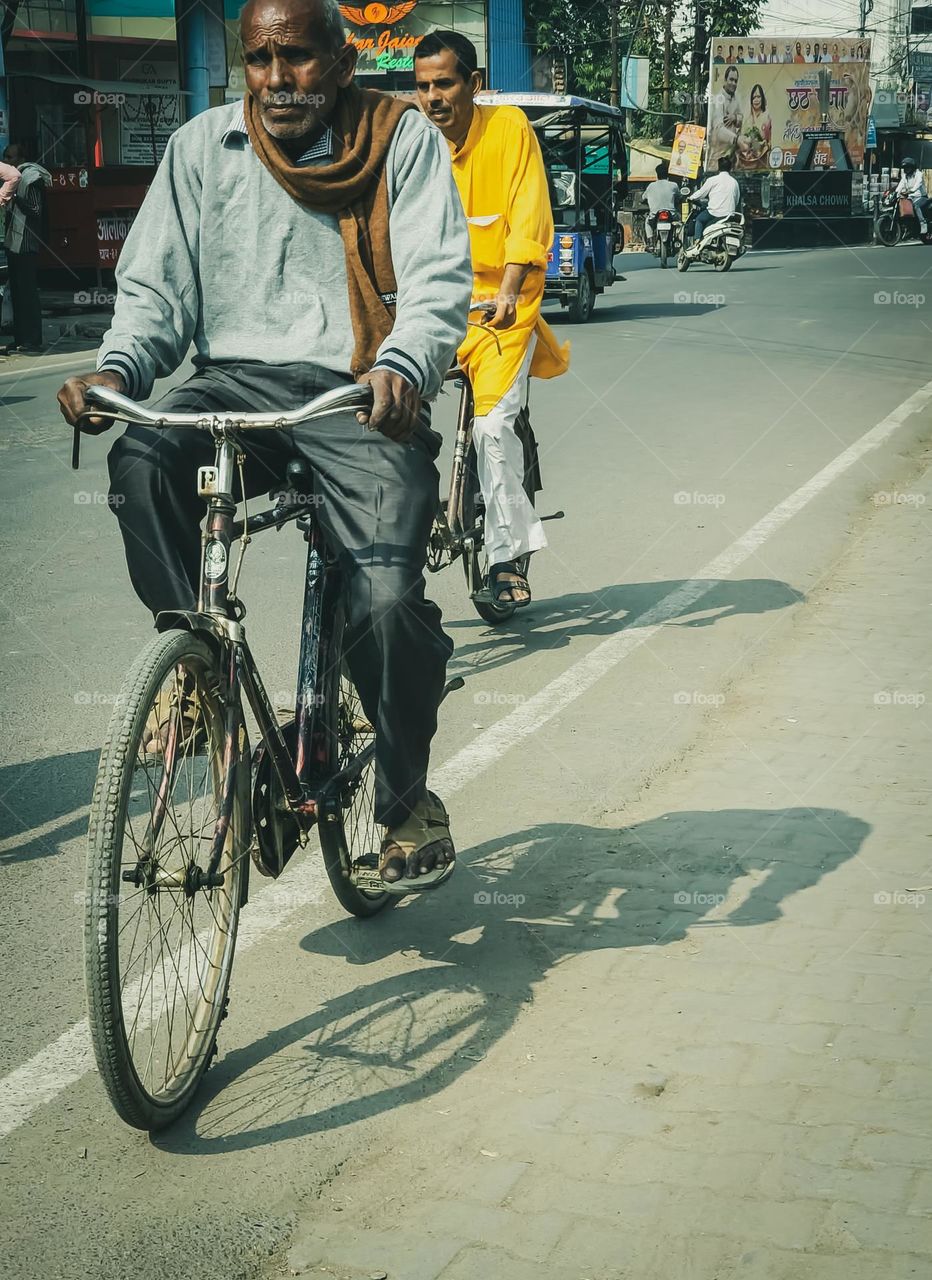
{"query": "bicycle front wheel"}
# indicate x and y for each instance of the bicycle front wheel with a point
(159, 937)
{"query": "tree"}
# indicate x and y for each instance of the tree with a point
(576, 32)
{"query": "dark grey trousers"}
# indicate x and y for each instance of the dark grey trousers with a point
(375, 500)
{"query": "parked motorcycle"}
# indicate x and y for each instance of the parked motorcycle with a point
(721, 243)
(897, 221)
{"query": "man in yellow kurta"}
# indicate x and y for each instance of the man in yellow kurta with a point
(499, 171)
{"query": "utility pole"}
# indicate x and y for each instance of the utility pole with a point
(614, 98)
(667, 40)
(867, 7)
(697, 41)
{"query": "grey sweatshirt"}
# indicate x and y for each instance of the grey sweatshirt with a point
(221, 255)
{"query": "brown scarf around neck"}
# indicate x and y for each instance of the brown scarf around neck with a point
(353, 187)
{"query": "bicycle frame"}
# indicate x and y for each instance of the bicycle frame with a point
(220, 614)
(448, 526)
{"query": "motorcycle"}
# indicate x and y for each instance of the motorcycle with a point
(667, 239)
(721, 243)
(897, 221)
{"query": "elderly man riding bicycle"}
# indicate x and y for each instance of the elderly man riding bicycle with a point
(303, 238)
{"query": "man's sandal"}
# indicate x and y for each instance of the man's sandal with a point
(179, 706)
(505, 578)
(424, 836)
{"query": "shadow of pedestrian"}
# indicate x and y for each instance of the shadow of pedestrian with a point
(519, 906)
(555, 623)
(33, 795)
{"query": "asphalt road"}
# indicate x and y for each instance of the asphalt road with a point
(695, 406)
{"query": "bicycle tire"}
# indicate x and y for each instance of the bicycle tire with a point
(347, 828)
(111, 902)
(474, 518)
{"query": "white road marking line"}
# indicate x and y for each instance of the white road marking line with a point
(79, 361)
(70, 1057)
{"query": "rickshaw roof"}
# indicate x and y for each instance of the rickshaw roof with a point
(555, 108)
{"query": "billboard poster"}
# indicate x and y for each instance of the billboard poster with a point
(686, 157)
(764, 95)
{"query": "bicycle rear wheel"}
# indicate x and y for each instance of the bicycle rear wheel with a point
(475, 564)
(158, 941)
(350, 837)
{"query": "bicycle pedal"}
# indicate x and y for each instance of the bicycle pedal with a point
(365, 874)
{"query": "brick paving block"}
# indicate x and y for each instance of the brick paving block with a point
(594, 1115)
(827, 984)
(861, 1042)
(725, 1063)
(850, 1075)
(908, 1083)
(897, 1233)
(765, 1101)
(482, 1262)
(879, 1017)
(543, 1150)
(895, 1148)
(649, 1161)
(790, 1224)
(779, 1264)
(827, 1105)
(589, 1198)
(791, 1177)
(913, 989)
(523, 1234)
(825, 1144)
(592, 1252)
(487, 1181)
(398, 1250)
(921, 1196)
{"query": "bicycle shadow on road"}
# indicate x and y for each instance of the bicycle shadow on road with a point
(555, 623)
(36, 793)
(519, 906)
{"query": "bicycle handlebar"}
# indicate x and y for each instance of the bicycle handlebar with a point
(340, 400)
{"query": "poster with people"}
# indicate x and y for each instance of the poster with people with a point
(686, 156)
(764, 95)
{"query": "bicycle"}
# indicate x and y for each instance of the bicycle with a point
(172, 828)
(460, 522)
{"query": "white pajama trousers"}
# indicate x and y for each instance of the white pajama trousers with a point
(512, 527)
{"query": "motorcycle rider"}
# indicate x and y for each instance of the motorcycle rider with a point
(662, 193)
(723, 195)
(912, 185)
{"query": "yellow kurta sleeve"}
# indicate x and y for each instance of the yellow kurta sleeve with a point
(529, 234)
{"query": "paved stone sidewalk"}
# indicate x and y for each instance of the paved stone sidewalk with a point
(725, 1071)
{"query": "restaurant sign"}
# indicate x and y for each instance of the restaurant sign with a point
(382, 45)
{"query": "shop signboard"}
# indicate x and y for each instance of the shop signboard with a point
(814, 193)
(764, 97)
(112, 230)
(147, 121)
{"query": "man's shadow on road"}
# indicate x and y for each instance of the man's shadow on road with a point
(556, 623)
(35, 794)
(518, 907)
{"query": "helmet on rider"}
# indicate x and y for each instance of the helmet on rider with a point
(909, 165)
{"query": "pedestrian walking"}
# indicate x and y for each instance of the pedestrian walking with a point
(24, 223)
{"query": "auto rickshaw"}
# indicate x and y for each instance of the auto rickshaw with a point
(587, 169)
